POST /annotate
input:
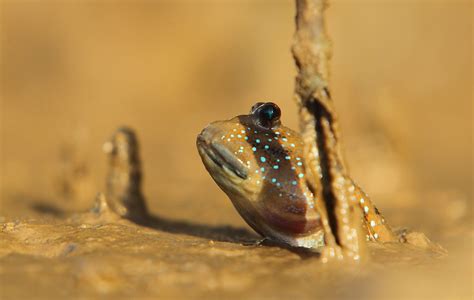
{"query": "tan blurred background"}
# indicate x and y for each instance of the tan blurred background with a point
(72, 71)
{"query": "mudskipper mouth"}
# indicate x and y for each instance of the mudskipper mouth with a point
(221, 156)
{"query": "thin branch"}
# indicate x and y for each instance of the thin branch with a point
(332, 186)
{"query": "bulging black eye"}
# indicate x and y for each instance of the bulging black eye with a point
(268, 115)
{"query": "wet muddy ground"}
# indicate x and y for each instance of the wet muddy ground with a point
(88, 257)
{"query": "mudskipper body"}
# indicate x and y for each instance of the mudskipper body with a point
(259, 164)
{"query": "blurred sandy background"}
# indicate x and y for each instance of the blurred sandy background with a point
(72, 71)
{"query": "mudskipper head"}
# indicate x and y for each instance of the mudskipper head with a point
(232, 150)
(259, 164)
(253, 155)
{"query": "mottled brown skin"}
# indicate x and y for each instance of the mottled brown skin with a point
(261, 168)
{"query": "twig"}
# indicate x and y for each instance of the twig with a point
(334, 191)
(123, 191)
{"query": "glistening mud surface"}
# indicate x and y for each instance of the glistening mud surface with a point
(85, 256)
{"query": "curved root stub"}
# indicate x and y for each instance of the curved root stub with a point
(123, 187)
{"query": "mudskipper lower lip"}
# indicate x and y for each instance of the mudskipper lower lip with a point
(222, 157)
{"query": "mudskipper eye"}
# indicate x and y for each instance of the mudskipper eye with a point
(268, 115)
